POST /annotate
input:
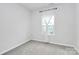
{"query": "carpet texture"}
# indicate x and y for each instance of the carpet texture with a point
(41, 48)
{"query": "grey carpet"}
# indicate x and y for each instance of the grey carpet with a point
(41, 48)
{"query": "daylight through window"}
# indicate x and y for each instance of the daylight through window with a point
(48, 24)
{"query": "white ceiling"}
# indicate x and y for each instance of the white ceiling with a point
(35, 6)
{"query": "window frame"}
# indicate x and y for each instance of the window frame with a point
(47, 24)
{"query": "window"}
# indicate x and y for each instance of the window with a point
(48, 24)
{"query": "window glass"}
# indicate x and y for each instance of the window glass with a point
(48, 24)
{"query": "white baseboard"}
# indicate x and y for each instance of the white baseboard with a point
(63, 44)
(13, 47)
(55, 43)
(77, 49)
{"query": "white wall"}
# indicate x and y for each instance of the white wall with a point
(77, 27)
(64, 23)
(14, 26)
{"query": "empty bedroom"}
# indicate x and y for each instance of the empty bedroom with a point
(39, 29)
